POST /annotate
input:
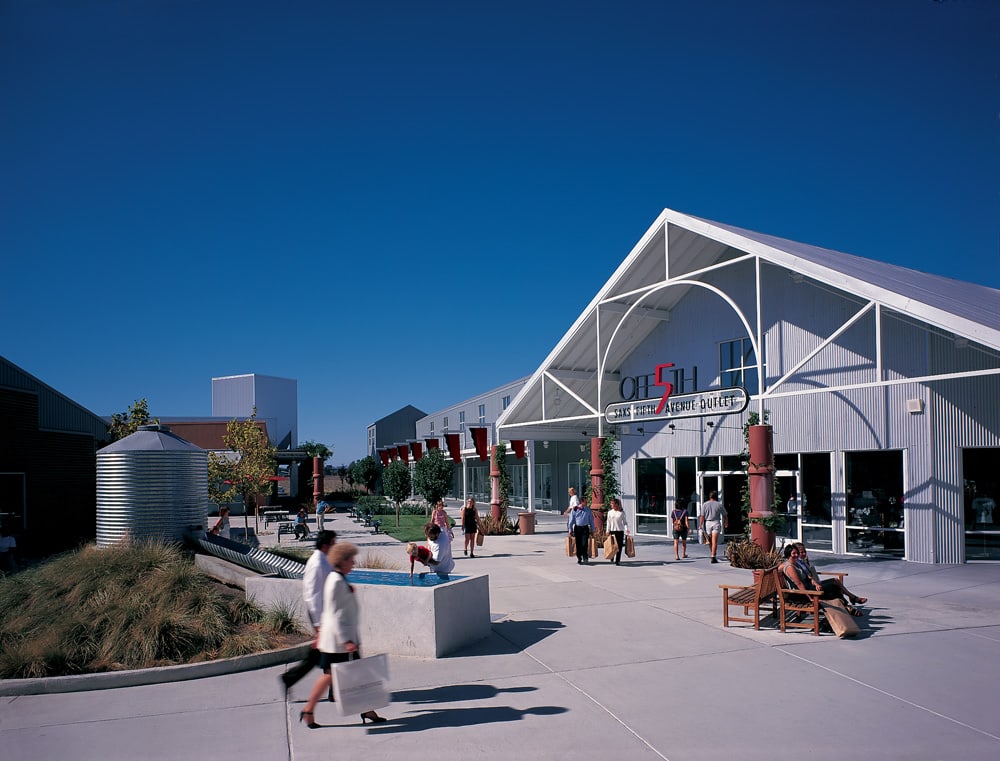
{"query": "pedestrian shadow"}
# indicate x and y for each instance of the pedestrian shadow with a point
(452, 693)
(459, 717)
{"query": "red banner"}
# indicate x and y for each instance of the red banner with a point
(384, 457)
(404, 453)
(431, 444)
(479, 437)
(454, 446)
(518, 446)
(417, 449)
(393, 453)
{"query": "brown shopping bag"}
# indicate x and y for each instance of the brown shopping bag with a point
(592, 547)
(840, 620)
(610, 547)
(479, 538)
(570, 546)
(629, 547)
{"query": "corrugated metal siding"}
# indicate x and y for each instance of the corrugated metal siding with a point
(967, 416)
(232, 396)
(150, 495)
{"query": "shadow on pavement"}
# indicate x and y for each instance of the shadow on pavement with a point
(454, 692)
(458, 717)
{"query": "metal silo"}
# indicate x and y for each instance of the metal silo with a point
(150, 485)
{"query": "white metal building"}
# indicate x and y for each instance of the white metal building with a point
(276, 400)
(882, 385)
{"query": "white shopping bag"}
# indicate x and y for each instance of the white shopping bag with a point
(361, 685)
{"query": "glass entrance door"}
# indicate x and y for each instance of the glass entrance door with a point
(729, 485)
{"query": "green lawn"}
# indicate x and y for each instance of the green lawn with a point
(411, 527)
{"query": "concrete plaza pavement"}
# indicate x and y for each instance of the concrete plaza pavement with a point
(598, 662)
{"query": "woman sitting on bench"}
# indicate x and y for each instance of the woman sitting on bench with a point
(801, 575)
(832, 588)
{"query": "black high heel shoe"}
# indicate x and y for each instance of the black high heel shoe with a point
(371, 716)
(311, 723)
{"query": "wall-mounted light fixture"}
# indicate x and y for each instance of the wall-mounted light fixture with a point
(545, 444)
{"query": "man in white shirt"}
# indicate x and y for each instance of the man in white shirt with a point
(313, 578)
(439, 543)
(714, 521)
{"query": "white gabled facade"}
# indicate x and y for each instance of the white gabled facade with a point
(881, 384)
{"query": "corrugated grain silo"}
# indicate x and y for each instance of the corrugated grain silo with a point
(150, 485)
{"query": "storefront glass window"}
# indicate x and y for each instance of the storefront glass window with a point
(738, 364)
(981, 471)
(478, 483)
(543, 486)
(518, 485)
(875, 503)
(651, 511)
(815, 517)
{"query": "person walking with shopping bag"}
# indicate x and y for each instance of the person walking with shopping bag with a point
(339, 635)
(580, 524)
(617, 526)
(314, 577)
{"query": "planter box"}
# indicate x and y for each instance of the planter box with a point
(426, 622)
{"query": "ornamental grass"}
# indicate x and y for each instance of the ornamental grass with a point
(125, 607)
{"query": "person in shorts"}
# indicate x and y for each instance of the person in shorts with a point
(680, 526)
(714, 521)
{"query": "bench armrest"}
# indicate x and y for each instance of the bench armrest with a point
(809, 592)
(737, 586)
(840, 576)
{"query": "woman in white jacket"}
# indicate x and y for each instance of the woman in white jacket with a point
(338, 630)
(617, 525)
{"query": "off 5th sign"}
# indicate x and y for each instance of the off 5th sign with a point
(722, 401)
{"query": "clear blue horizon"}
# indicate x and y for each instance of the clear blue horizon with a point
(398, 203)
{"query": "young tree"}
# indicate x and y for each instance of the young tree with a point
(504, 481)
(349, 476)
(316, 449)
(126, 423)
(248, 472)
(396, 484)
(432, 476)
(366, 471)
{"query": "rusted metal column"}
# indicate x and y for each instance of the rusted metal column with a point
(597, 483)
(760, 471)
(317, 479)
(494, 485)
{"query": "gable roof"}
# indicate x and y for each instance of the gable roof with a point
(676, 254)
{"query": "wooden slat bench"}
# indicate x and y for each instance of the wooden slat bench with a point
(753, 597)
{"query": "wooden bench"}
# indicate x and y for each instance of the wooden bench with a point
(753, 597)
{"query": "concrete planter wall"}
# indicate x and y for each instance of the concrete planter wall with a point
(426, 622)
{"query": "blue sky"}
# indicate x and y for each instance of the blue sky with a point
(409, 203)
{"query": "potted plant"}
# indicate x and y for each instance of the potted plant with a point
(744, 553)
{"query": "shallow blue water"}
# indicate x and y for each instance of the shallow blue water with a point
(397, 579)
